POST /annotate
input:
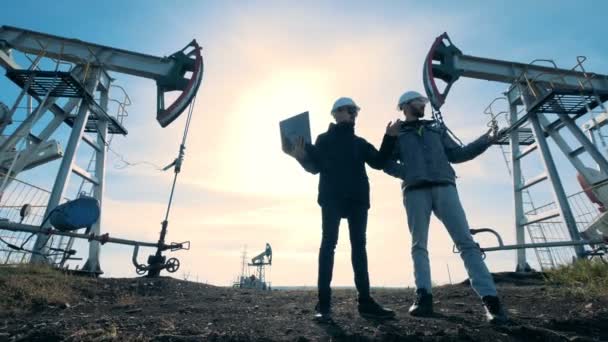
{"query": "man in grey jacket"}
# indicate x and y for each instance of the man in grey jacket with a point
(422, 160)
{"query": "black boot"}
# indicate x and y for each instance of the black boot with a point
(322, 312)
(368, 308)
(495, 313)
(423, 305)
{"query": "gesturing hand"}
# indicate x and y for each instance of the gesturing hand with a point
(494, 134)
(392, 128)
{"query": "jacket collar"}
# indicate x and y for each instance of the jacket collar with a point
(342, 128)
(410, 125)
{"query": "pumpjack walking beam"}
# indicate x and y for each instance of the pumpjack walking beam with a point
(541, 90)
(170, 73)
(447, 63)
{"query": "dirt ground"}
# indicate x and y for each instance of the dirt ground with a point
(166, 309)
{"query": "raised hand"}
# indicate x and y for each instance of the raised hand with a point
(392, 128)
(494, 133)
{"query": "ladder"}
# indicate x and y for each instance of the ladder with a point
(536, 232)
(568, 105)
(87, 188)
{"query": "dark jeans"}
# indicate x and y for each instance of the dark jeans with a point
(357, 225)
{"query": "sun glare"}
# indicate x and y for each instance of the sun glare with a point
(254, 160)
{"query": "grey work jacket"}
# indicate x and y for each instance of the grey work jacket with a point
(424, 151)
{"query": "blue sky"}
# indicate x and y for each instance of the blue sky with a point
(268, 60)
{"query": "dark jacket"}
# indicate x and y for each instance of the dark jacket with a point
(340, 156)
(424, 152)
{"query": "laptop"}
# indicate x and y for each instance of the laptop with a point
(292, 128)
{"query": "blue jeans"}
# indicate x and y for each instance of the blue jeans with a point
(444, 202)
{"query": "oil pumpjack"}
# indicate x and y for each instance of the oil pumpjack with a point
(257, 280)
(543, 103)
(70, 81)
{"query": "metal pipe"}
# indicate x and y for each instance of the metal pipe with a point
(19, 227)
(488, 230)
(545, 244)
(134, 257)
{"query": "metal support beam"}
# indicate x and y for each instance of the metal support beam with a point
(24, 91)
(91, 143)
(23, 130)
(92, 264)
(85, 174)
(558, 190)
(19, 227)
(586, 144)
(7, 61)
(527, 151)
(80, 52)
(511, 72)
(563, 145)
(65, 168)
(549, 214)
(516, 179)
(60, 113)
(45, 152)
(575, 153)
(16, 104)
(533, 181)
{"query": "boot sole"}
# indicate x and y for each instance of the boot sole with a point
(422, 314)
(498, 321)
(323, 319)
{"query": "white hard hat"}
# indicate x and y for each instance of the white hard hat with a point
(409, 96)
(344, 101)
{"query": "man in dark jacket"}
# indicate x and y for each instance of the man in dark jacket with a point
(424, 152)
(340, 156)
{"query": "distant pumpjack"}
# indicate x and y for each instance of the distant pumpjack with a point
(260, 262)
